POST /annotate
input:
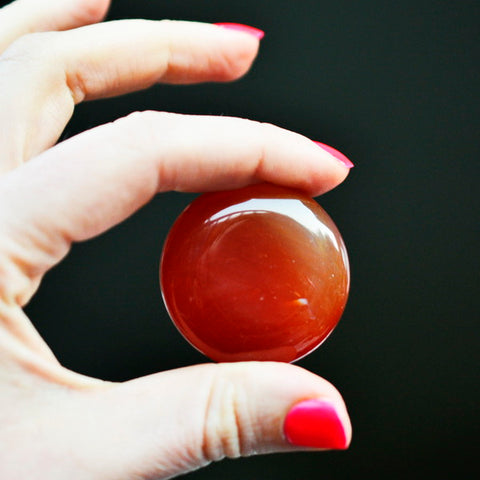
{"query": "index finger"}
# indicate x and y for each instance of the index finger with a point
(89, 183)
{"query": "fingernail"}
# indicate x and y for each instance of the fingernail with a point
(243, 28)
(315, 424)
(338, 155)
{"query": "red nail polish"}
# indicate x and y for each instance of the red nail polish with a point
(338, 155)
(315, 424)
(243, 28)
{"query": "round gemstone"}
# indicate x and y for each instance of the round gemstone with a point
(258, 273)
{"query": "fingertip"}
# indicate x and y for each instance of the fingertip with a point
(294, 408)
(233, 67)
(237, 27)
(343, 159)
(246, 49)
(332, 170)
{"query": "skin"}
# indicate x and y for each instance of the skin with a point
(55, 423)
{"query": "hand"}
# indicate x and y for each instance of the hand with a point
(55, 423)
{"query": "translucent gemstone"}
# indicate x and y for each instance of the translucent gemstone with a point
(259, 273)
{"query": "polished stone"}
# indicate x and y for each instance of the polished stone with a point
(259, 273)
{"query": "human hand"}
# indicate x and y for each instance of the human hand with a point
(55, 423)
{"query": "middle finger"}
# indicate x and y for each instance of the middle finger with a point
(42, 76)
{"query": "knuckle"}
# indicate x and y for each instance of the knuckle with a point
(16, 285)
(137, 131)
(38, 59)
(227, 427)
(144, 123)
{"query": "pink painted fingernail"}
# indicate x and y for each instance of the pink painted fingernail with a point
(315, 424)
(338, 155)
(243, 28)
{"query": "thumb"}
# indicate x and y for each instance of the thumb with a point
(174, 422)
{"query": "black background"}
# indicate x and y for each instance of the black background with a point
(394, 85)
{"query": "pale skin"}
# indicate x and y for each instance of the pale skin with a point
(58, 424)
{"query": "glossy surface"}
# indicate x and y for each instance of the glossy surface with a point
(259, 273)
(315, 424)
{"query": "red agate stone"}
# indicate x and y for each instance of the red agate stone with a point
(259, 273)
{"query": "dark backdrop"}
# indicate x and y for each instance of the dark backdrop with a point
(394, 85)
